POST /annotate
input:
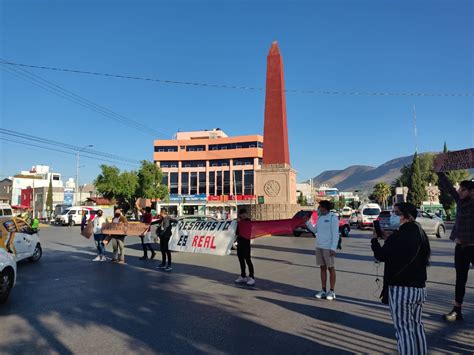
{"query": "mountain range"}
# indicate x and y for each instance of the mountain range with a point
(362, 177)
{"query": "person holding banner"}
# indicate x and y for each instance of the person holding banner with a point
(463, 235)
(243, 253)
(327, 239)
(99, 237)
(146, 239)
(118, 241)
(165, 235)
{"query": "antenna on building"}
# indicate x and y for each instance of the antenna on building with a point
(415, 129)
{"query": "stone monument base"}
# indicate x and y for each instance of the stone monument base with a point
(268, 212)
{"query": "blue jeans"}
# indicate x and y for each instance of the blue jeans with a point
(99, 242)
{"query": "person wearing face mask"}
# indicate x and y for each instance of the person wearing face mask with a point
(98, 221)
(463, 235)
(406, 254)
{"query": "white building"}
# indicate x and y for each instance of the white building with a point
(38, 176)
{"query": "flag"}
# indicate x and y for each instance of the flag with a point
(254, 229)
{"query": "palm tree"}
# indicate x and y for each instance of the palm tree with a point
(381, 193)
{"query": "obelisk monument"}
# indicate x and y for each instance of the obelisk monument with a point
(276, 181)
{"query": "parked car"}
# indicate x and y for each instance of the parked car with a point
(346, 212)
(75, 213)
(368, 213)
(7, 273)
(312, 215)
(432, 224)
(353, 219)
(6, 210)
(19, 239)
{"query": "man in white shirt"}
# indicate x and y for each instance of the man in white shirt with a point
(327, 238)
(98, 221)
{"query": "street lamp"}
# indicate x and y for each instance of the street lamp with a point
(77, 173)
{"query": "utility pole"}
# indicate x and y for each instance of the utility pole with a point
(77, 174)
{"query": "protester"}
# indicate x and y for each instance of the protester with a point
(98, 221)
(147, 218)
(118, 241)
(165, 235)
(406, 254)
(327, 239)
(463, 235)
(83, 220)
(243, 253)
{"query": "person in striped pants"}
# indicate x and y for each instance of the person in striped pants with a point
(406, 253)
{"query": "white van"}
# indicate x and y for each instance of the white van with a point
(346, 212)
(368, 213)
(74, 214)
(6, 210)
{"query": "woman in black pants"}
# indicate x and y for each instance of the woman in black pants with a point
(243, 252)
(165, 235)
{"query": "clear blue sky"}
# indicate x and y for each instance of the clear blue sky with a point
(379, 45)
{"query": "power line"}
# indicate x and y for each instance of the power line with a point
(74, 148)
(63, 151)
(77, 99)
(236, 87)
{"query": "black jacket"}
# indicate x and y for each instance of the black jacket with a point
(405, 256)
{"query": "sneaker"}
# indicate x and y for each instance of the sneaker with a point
(97, 258)
(121, 261)
(162, 266)
(153, 255)
(454, 315)
(331, 295)
(168, 268)
(143, 258)
(103, 258)
(114, 260)
(250, 281)
(241, 280)
(320, 294)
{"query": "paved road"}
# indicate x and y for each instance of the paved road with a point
(68, 304)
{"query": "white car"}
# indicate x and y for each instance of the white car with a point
(7, 274)
(19, 239)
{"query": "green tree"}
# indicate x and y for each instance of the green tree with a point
(454, 177)
(416, 185)
(381, 193)
(149, 182)
(49, 199)
(107, 182)
(127, 186)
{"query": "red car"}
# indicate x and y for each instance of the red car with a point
(344, 227)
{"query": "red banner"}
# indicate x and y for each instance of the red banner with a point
(255, 229)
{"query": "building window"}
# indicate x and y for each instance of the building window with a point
(219, 183)
(195, 148)
(202, 182)
(227, 182)
(260, 161)
(248, 182)
(184, 183)
(173, 183)
(166, 148)
(212, 182)
(193, 164)
(238, 182)
(193, 189)
(164, 179)
(221, 162)
(243, 161)
(168, 164)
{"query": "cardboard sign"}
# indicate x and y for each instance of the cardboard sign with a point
(456, 160)
(136, 229)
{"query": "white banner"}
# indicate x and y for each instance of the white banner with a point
(206, 237)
